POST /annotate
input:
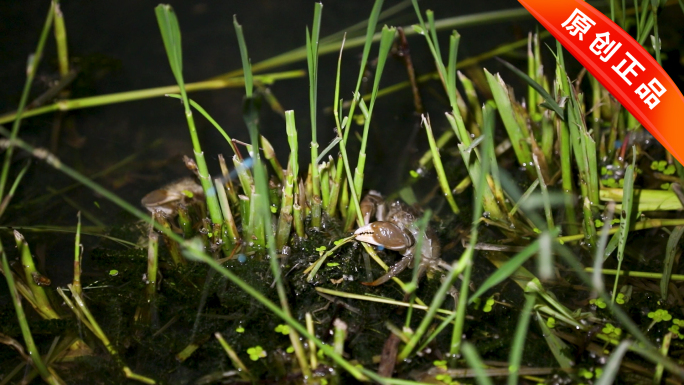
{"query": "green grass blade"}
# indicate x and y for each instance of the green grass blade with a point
(562, 89)
(327, 149)
(505, 271)
(437, 160)
(312, 62)
(78, 251)
(61, 40)
(519, 338)
(537, 87)
(479, 204)
(29, 268)
(612, 367)
(625, 217)
(545, 194)
(250, 112)
(668, 263)
(385, 45)
(457, 267)
(597, 278)
(170, 31)
(8, 198)
(23, 323)
(33, 63)
(473, 101)
(559, 349)
(517, 134)
(524, 197)
(127, 96)
(211, 120)
(246, 65)
(475, 362)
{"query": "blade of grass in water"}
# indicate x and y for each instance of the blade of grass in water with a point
(237, 362)
(8, 198)
(342, 164)
(436, 158)
(545, 194)
(23, 323)
(648, 200)
(251, 118)
(385, 45)
(30, 275)
(170, 31)
(625, 217)
(668, 263)
(664, 350)
(473, 101)
(519, 338)
(127, 96)
(343, 130)
(565, 145)
(536, 87)
(78, 251)
(312, 62)
(285, 218)
(597, 278)
(478, 207)
(612, 367)
(61, 40)
(210, 119)
(152, 266)
(475, 362)
(506, 270)
(516, 133)
(32, 68)
(557, 346)
(524, 197)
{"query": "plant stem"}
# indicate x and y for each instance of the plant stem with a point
(437, 160)
(78, 251)
(23, 324)
(61, 40)
(32, 277)
(152, 264)
(32, 68)
(170, 31)
(312, 61)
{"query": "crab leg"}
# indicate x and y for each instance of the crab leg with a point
(392, 272)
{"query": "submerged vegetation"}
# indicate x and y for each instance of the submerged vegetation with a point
(256, 276)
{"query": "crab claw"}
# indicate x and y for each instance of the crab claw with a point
(385, 234)
(373, 205)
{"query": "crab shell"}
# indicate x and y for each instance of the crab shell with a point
(387, 235)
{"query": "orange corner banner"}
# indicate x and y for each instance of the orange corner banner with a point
(620, 64)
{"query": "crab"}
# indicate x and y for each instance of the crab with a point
(396, 229)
